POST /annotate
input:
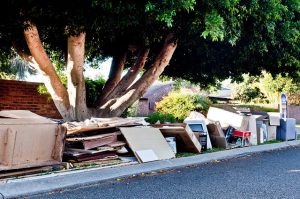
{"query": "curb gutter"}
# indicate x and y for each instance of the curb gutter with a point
(66, 180)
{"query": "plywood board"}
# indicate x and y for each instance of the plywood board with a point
(146, 155)
(148, 138)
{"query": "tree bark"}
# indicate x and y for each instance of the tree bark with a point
(130, 76)
(114, 77)
(76, 83)
(116, 106)
(52, 82)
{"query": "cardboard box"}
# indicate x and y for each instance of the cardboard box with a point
(29, 140)
(217, 135)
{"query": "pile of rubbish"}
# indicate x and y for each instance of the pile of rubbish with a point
(28, 140)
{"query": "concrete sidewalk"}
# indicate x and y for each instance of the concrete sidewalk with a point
(72, 179)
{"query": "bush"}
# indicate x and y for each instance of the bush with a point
(92, 90)
(153, 118)
(180, 105)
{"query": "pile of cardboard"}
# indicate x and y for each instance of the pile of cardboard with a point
(95, 139)
(101, 139)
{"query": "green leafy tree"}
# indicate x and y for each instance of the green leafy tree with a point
(202, 41)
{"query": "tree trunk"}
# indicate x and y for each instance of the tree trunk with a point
(76, 83)
(51, 80)
(116, 106)
(115, 73)
(117, 96)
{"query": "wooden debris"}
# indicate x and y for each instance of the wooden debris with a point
(92, 141)
(23, 172)
(96, 124)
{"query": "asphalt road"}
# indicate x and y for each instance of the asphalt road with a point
(273, 174)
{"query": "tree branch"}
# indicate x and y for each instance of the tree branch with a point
(131, 75)
(140, 86)
(115, 73)
(52, 82)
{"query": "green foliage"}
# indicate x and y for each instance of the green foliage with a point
(180, 105)
(4, 75)
(248, 90)
(267, 89)
(214, 26)
(93, 89)
(216, 39)
(157, 116)
(272, 87)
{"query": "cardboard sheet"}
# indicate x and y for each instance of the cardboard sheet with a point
(139, 139)
(22, 117)
(17, 114)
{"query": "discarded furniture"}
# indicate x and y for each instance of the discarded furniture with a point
(29, 140)
(242, 137)
(287, 129)
(199, 127)
(274, 122)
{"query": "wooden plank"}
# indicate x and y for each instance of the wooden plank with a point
(117, 144)
(93, 141)
(90, 151)
(23, 172)
(147, 139)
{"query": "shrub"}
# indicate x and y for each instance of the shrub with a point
(153, 118)
(180, 105)
(92, 90)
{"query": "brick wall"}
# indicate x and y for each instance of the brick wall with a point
(19, 95)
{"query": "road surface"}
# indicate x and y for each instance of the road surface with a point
(274, 174)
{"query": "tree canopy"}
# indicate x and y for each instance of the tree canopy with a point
(213, 39)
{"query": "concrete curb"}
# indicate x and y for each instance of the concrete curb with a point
(59, 181)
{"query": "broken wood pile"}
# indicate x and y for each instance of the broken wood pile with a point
(96, 139)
